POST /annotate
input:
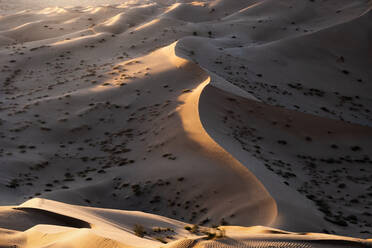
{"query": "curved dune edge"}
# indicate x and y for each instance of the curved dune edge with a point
(286, 203)
(193, 127)
(253, 202)
(195, 130)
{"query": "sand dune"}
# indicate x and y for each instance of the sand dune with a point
(216, 113)
(117, 228)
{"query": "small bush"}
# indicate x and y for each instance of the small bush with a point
(211, 233)
(215, 234)
(162, 229)
(161, 240)
(192, 229)
(220, 233)
(14, 183)
(139, 230)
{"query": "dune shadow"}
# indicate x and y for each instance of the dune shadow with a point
(32, 217)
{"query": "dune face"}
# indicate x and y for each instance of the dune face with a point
(216, 113)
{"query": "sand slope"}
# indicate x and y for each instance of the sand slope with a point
(211, 112)
(115, 228)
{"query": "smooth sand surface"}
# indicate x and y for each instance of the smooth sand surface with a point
(62, 225)
(218, 113)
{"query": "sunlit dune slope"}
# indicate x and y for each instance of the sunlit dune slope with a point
(118, 228)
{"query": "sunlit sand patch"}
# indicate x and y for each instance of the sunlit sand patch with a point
(172, 7)
(152, 22)
(53, 10)
(195, 3)
(87, 36)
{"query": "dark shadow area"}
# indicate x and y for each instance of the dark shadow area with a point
(21, 219)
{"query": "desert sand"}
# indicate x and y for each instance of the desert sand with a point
(165, 123)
